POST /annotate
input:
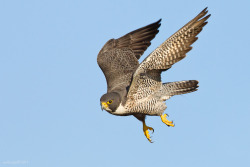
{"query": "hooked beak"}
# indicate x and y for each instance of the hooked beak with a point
(104, 105)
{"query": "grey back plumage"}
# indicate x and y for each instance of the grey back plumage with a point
(118, 59)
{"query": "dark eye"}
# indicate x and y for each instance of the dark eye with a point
(110, 101)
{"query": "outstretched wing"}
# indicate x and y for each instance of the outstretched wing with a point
(118, 58)
(169, 52)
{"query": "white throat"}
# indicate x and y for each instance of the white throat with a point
(120, 110)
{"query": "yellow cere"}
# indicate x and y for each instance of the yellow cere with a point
(104, 105)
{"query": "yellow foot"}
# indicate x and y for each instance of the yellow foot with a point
(146, 132)
(167, 122)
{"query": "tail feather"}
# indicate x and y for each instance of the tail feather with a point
(180, 87)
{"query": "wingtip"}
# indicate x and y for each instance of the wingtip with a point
(203, 15)
(203, 12)
(159, 21)
(205, 9)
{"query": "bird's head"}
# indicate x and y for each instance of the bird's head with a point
(110, 101)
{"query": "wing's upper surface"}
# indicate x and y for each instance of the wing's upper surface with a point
(118, 58)
(169, 52)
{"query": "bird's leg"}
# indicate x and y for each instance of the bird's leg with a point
(167, 122)
(146, 132)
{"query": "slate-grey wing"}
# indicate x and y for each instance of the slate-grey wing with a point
(118, 59)
(118, 66)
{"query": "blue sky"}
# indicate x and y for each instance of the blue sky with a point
(50, 85)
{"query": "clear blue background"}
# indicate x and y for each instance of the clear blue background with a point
(50, 85)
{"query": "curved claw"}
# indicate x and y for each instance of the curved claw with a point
(150, 128)
(146, 131)
(167, 122)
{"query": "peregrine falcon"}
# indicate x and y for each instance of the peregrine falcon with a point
(136, 89)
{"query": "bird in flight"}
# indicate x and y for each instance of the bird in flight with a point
(135, 88)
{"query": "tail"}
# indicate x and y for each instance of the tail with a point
(180, 87)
